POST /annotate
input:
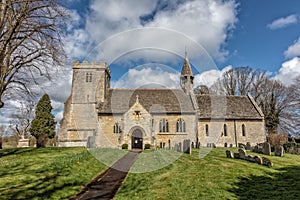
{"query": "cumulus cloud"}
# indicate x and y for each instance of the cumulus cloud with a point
(289, 71)
(293, 50)
(210, 77)
(283, 22)
(206, 22)
(148, 77)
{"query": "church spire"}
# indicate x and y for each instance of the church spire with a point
(187, 77)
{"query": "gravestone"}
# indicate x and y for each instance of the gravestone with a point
(250, 158)
(278, 151)
(258, 160)
(267, 162)
(225, 145)
(248, 146)
(242, 146)
(187, 146)
(236, 155)
(229, 154)
(266, 149)
(231, 145)
(242, 154)
(179, 147)
(23, 142)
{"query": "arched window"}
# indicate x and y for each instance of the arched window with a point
(88, 77)
(206, 130)
(180, 125)
(117, 128)
(225, 130)
(243, 130)
(163, 125)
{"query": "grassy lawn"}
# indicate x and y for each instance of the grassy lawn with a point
(46, 173)
(215, 177)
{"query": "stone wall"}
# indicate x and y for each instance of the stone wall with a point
(80, 119)
(254, 132)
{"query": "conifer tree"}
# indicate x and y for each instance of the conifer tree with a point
(43, 125)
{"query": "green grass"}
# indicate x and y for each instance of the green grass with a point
(59, 173)
(215, 177)
(46, 173)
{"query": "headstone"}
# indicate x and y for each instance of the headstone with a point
(225, 145)
(242, 154)
(242, 146)
(236, 155)
(187, 146)
(258, 160)
(250, 158)
(248, 146)
(229, 154)
(278, 151)
(266, 149)
(23, 143)
(231, 145)
(267, 162)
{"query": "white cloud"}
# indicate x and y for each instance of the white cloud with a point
(283, 22)
(293, 50)
(207, 22)
(289, 71)
(209, 77)
(148, 77)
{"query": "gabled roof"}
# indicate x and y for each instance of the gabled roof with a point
(227, 107)
(166, 101)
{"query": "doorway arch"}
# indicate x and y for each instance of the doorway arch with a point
(137, 139)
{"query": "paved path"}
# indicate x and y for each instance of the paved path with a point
(107, 184)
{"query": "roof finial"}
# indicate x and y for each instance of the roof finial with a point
(137, 98)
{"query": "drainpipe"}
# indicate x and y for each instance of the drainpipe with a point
(235, 134)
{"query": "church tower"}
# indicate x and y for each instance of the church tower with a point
(187, 77)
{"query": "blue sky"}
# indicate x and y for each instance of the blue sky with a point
(257, 45)
(244, 38)
(147, 39)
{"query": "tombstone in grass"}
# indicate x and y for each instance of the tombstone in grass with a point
(267, 162)
(231, 145)
(242, 154)
(187, 146)
(266, 148)
(278, 151)
(179, 147)
(248, 146)
(229, 154)
(242, 146)
(258, 160)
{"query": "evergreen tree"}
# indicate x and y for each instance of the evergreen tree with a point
(43, 125)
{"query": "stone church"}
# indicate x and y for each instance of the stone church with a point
(96, 115)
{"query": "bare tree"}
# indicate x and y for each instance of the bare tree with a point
(30, 44)
(20, 123)
(279, 103)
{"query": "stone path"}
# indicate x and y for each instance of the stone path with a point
(107, 184)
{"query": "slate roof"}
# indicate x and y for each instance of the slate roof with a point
(153, 100)
(227, 107)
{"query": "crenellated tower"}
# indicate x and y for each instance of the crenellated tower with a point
(90, 83)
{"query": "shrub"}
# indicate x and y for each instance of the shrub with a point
(125, 146)
(147, 146)
(277, 139)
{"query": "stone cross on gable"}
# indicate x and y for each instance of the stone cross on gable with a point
(137, 98)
